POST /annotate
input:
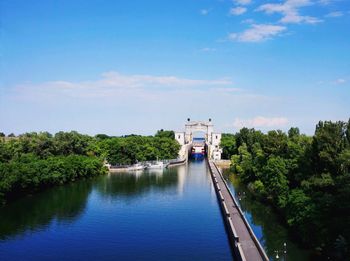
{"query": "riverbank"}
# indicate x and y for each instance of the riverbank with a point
(30, 174)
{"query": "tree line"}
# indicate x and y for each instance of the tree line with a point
(34, 161)
(305, 178)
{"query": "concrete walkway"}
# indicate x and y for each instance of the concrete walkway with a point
(244, 243)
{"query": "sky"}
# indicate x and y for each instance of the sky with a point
(122, 67)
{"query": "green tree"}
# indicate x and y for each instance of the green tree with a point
(228, 145)
(275, 180)
(328, 142)
(165, 134)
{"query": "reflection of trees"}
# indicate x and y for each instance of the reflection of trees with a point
(64, 204)
(135, 184)
(274, 234)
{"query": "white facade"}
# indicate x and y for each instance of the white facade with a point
(217, 155)
(216, 139)
(212, 138)
(198, 126)
(180, 137)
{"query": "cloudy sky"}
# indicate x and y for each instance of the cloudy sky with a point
(121, 67)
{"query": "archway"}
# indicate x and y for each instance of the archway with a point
(211, 139)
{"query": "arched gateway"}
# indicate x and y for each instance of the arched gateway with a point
(212, 139)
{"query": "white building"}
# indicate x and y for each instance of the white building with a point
(212, 139)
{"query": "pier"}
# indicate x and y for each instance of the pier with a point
(246, 246)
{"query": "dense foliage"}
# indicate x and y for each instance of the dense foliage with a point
(132, 149)
(306, 179)
(33, 161)
(30, 173)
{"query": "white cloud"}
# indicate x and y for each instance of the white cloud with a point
(118, 79)
(290, 11)
(339, 81)
(294, 18)
(208, 49)
(242, 2)
(326, 2)
(258, 33)
(238, 10)
(114, 84)
(260, 121)
(227, 90)
(204, 11)
(334, 14)
(248, 21)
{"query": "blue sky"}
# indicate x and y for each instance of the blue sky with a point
(121, 67)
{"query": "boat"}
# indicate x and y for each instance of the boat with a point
(136, 166)
(198, 149)
(156, 165)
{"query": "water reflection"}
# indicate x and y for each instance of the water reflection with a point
(67, 203)
(136, 183)
(265, 223)
(181, 173)
(62, 204)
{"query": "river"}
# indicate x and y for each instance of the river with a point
(161, 215)
(170, 214)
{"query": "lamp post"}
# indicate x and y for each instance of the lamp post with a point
(277, 256)
(284, 252)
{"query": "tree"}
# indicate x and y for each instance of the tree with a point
(165, 134)
(101, 136)
(246, 163)
(293, 133)
(299, 209)
(228, 145)
(328, 142)
(275, 143)
(275, 180)
(306, 178)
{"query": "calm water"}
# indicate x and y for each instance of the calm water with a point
(265, 224)
(170, 215)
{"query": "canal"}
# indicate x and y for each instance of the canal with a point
(161, 215)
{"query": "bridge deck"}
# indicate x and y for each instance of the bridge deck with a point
(243, 240)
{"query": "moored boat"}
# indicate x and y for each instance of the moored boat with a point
(136, 166)
(156, 165)
(198, 149)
